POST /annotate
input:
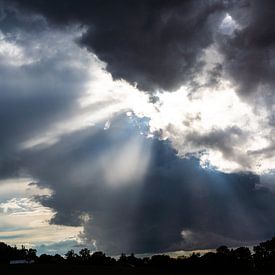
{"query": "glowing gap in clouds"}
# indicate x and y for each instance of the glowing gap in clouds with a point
(190, 121)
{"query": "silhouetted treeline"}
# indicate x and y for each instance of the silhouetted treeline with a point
(8, 253)
(224, 260)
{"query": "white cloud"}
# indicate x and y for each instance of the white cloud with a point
(181, 117)
(11, 53)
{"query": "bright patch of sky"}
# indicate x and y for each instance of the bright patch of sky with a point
(228, 25)
(24, 220)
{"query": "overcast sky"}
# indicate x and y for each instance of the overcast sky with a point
(136, 126)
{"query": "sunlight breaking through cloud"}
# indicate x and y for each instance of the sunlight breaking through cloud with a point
(216, 125)
(205, 122)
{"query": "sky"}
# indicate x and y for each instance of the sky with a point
(137, 126)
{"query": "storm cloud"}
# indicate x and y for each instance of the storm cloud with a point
(249, 52)
(155, 44)
(154, 212)
(159, 44)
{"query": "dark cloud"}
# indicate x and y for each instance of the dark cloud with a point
(156, 44)
(148, 214)
(250, 51)
(226, 141)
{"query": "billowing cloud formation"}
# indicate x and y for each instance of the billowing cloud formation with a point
(156, 44)
(217, 126)
(172, 204)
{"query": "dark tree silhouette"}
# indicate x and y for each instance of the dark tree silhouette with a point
(264, 256)
(224, 261)
(85, 254)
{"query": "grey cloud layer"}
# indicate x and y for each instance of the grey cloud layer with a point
(39, 91)
(250, 52)
(156, 44)
(149, 215)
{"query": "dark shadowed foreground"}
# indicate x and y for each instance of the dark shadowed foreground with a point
(224, 261)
